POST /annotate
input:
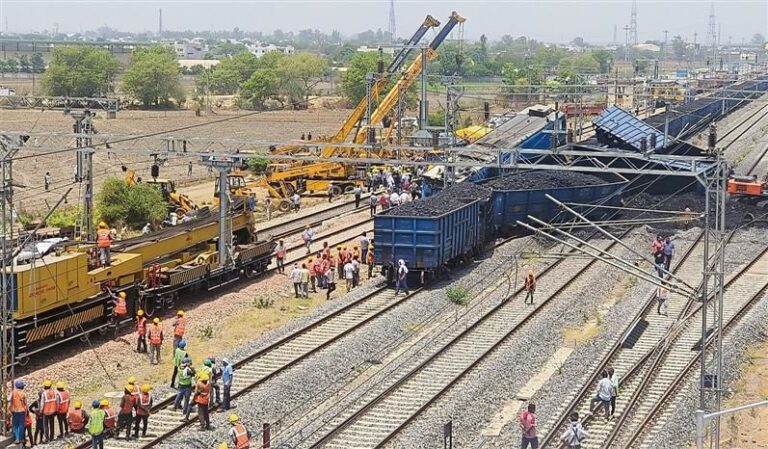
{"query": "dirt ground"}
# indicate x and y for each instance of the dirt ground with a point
(282, 126)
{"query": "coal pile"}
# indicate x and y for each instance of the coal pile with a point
(468, 190)
(432, 206)
(546, 179)
(736, 213)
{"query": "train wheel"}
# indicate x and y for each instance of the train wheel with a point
(150, 306)
(24, 361)
(103, 331)
(84, 337)
(249, 272)
(284, 206)
(349, 188)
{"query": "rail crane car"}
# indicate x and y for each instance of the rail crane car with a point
(65, 295)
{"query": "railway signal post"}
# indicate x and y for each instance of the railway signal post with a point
(222, 164)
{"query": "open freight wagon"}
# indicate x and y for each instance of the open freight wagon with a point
(429, 244)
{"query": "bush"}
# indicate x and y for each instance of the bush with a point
(258, 164)
(132, 205)
(64, 217)
(458, 295)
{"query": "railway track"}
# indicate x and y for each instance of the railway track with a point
(745, 130)
(638, 354)
(296, 226)
(384, 414)
(273, 360)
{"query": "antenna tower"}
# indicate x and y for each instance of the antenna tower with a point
(392, 25)
(160, 24)
(633, 25)
(712, 36)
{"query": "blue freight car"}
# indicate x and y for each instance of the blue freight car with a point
(508, 206)
(429, 243)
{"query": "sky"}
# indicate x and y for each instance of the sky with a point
(547, 20)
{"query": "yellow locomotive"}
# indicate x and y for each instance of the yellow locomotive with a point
(65, 295)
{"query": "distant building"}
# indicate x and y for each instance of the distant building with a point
(389, 50)
(260, 49)
(193, 49)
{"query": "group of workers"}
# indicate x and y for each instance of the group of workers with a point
(323, 270)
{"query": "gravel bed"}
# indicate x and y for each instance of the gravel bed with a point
(544, 179)
(298, 390)
(498, 380)
(680, 432)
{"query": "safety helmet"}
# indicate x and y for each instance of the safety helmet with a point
(20, 384)
(47, 383)
(60, 385)
(78, 405)
(186, 361)
(182, 344)
(204, 377)
(224, 444)
(104, 403)
(95, 403)
(156, 320)
(145, 388)
(128, 388)
(180, 313)
(131, 380)
(102, 225)
(211, 358)
(140, 312)
(207, 362)
(122, 295)
(233, 418)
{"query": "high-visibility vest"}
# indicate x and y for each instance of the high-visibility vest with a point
(280, 253)
(96, 422)
(103, 238)
(63, 398)
(203, 391)
(136, 391)
(18, 402)
(127, 404)
(120, 308)
(241, 437)
(76, 420)
(145, 403)
(48, 401)
(184, 378)
(180, 326)
(141, 325)
(156, 335)
(109, 418)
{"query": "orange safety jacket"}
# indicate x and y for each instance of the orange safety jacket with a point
(202, 394)
(63, 399)
(241, 437)
(48, 401)
(141, 325)
(18, 402)
(156, 335)
(103, 238)
(120, 307)
(110, 420)
(179, 327)
(145, 402)
(127, 404)
(76, 420)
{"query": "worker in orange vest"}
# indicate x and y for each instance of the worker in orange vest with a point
(110, 418)
(202, 399)
(179, 326)
(155, 341)
(119, 309)
(141, 330)
(241, 437)
(62, 407)
(18, 408)
(135, 390)
(143, 406)
(125, 417)
(49, 407)
(77, 419)
(104, 243)
(530, 286)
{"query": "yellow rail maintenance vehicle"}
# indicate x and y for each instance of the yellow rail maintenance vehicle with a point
(65, 295)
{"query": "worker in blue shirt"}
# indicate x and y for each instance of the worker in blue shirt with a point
(226, 377)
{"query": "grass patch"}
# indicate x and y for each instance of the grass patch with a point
(458, 295)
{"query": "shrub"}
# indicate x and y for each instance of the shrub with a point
(458, 295)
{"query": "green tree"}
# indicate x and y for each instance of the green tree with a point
(604, 58)
(154, 76)
(133, 205)
(24, 65)
(81, 71)
(260, 87)
(581, 63)
(758, 39)
(243, 63)
(353, 82)
(38, 64)
(300, 74)
(229, 74)
(11, 66)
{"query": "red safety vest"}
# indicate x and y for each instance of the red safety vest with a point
(76, 420)
(103, 238)
(141, 325)
(49, 402)
(144, 401)
(203, 391)
(156, 335)
(18, 402)
(241, 437)
(181, 325)
(63, 397)
(120, 307)
(109, 418)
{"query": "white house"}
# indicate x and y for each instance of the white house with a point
(189, 49)
(261, 49)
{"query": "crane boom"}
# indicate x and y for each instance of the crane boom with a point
(409, 76)
(394, 66)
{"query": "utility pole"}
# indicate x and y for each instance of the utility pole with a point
(84, 172)
(8, 331)
(423, 106)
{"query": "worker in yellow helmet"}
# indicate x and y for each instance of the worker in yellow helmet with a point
(202, 399)
(104, 243)
(241, 437)
(141, 330)
(146, 400)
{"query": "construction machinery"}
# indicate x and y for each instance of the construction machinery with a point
(748, 189)
(282, 180)
(178, 203)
